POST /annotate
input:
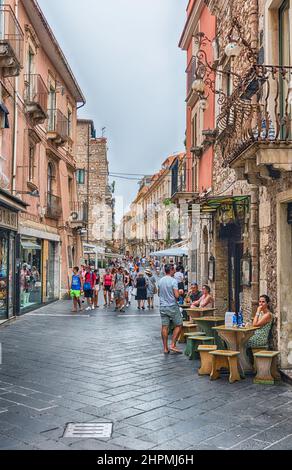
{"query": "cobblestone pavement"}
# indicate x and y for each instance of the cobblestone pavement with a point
(105, 367)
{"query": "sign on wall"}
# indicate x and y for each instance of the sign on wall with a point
(8, 219)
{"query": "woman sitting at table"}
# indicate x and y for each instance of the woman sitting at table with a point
(206, 301)
(263, 319)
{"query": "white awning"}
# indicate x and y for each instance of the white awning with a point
(174, 252)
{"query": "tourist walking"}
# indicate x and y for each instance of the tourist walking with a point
(96, 288)
(88, 286)
(151, 288)
(75, 289)
(107, 287)
(169, 310)
(127, 287)
(119, 290)
(141, 285)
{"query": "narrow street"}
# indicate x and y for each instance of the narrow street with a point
(109, 367)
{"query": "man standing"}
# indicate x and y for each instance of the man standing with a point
(119, 290)
(169, 310)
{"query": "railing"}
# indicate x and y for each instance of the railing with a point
(36, 91)
(58, 123)
(11, 33)
(54, 206)
(79, 211)
(191, 74)
(259, 111)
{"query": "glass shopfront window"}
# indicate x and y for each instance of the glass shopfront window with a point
(52, 272)
(4, 244)
(31, 273)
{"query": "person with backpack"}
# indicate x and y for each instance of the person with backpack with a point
(119, 290)
(88, 287)
(107, 287)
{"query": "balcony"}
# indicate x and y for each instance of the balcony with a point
(11, 43)
(36, 98)
(79, 214)
(255, 123)
(54, 207)
(58, 127)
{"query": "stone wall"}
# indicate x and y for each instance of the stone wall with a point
(95, 191)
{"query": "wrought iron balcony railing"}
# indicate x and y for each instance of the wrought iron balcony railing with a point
(58, 126)
(259, 112)
(11, 42)
(79, 212)
(54, 206)
(36, 97)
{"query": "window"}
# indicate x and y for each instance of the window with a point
(69, 115)
(80, 176)
(50, 178)
(31, 159)
(284, 55)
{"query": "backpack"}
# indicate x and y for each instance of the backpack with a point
(87, 285)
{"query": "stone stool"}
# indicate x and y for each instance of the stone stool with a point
(206, 359)
(266, 367)
(226, 359)
(194, 341)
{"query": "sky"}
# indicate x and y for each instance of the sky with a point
(125, 56)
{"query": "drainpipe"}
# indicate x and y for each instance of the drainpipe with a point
(254, 241)
(15, 125)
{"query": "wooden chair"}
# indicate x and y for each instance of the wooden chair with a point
(226, 359)
(194, 341)
(266, 367)
(206, 358)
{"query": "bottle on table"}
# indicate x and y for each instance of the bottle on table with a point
(240, 318)
(234, 320)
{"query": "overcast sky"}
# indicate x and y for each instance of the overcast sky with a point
(125, 56)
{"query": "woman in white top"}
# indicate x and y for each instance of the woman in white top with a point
(179, 277)
(206, 301)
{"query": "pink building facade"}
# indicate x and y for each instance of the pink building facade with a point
(39, 97)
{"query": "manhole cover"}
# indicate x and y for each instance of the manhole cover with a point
(87, 430)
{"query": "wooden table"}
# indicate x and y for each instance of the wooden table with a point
(199, 312)
(207, 323)
(236, 340)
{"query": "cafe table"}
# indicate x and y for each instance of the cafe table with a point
(236, 340)
(199, 312)
(206, 325)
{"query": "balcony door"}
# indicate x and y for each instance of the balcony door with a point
(51, 110)
(285, 59)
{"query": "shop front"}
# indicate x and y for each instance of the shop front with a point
(39, 270)
(9, 209)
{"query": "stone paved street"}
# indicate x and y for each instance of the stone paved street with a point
(105, 367)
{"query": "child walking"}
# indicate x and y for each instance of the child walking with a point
(76, 287)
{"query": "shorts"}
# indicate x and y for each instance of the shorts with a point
(171, 315)
(107, 288)
(119, 294)
(88, 294)
(75, 293)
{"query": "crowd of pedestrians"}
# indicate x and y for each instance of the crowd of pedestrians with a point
(141, 279)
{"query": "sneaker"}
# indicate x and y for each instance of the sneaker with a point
(127, 305)
(88, 308)
(93, 307)
(122, 310)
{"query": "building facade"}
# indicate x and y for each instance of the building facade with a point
(95, 195)
(39, 100)
(246, 240)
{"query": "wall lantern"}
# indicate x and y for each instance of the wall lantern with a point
(199, 86)
(289, 213)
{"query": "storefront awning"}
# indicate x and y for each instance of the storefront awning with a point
(27, 245)
(212, 204)
(172, 252)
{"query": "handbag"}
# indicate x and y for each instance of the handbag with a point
(134, 291)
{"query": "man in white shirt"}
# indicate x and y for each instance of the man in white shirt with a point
(169, 310)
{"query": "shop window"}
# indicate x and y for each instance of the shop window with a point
(3, 275)
(31, 273)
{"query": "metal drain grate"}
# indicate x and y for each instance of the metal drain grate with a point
(88, 430)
